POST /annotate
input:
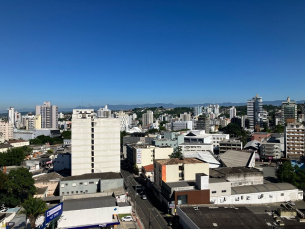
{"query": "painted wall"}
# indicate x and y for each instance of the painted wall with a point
(190, 170)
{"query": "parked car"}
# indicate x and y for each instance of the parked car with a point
(127, 218)
(144, 197)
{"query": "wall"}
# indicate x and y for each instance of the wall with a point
(190, 170)
(219, 188)
(111, 184)
(52, 185)
(163, 153)
(194, 196)
(253, 198)
(172, 173)
(62, 161)
(241, 179)
(75, 187)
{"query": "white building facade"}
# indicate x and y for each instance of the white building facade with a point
(95, 143)
(49, 115)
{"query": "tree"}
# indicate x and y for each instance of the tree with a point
(279, 129)
(19, 186)
(135, 169)
(286, 173)
(177, 153)
(33, 208)
(66, 134)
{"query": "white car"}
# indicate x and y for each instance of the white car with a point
(127, 218)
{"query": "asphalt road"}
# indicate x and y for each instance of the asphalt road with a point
(145, 211)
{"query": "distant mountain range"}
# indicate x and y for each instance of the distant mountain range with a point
(165, 105)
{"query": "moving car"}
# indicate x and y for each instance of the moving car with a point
(144, 197)
(127, 218)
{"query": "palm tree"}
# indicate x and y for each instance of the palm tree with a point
(33, 208)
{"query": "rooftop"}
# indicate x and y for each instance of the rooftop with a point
(103, 176)
(223, 171)
(89, 203)
(180, 184)
(173, 161)
(270, 187)
(149, 168)
(46, 177)
(234, 158)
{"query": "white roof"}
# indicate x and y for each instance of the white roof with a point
(252, 143)
(203, 156)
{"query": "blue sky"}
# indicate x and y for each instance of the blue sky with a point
(133, 52)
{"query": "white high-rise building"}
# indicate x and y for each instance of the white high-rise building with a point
(104, 112)
(185, 117)
(11, 116)
(49, 115)
(124, 120)
(255, 112)
(95, 143)
(6, 130)
(147, 118)
(232, 112)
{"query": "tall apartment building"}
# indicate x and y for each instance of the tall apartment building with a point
(11, 116)
(232, 112)
(203, 123)
(147, 118)
(49, 115)
(104, 112)
(289, 111)
(6, 130)
(185, 117)
(294, 139)
(255, 112)
(95, 143)
(198, 110)
(124, 120)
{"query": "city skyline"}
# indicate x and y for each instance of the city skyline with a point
(77, 53)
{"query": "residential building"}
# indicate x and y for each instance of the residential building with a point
(172, 139)
(185, 116)
(104, 112)
(255, 112)
(143, 155)
(203, 123)
(230, 145)
(62, 161)
(49, 115)
(270, 151)
(37, 122)
(124, 120)
(196, 146)
(182, 125)
(11, 116)
(288, 111)
(147, 118)
(6, 130)
(232, 112)
(294, 140)
(50, 180)
(18, 143)
(260, 136)
(175, 169)
(198, 110)
(95, 143)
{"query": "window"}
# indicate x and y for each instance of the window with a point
(282, 194)
(76, 192)
(63, 193)
(91, 182)
(86, 183)
(73, 184)
(80, 183)
(86, 191)
(223, 190)
(66, 184)
(213, 191)
(67, 193)
(62, 185)
(72, 192)
(81, 191)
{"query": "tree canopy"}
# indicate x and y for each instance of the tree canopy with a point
(293, 175)
(14, 156)
(177, 153)
(40, 140)
(66, 134)
(16, 186)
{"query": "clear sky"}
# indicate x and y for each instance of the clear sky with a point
(132, 52)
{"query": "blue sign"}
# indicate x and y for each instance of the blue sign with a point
(54, 212)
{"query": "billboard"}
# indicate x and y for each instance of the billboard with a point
(54, 212)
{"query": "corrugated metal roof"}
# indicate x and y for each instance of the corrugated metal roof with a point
(233, 158)
(262, 188)
(89, 203)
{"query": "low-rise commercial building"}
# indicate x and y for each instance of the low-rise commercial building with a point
(230, 145)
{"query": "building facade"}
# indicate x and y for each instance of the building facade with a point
(288, 111)
(255, 112)
(95, 143)
(294, 139)
(147, 118)
(49, 115)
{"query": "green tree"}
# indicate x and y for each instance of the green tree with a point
(279, 129)
(19, 185)
(33, 208)
(286, 173)
(66, 134)
(135, 169)
(177, 153)
(13, 156)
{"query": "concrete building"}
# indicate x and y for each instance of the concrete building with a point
(294, 140)
(198, 110)
(124, 121)
(95, 143)
(185, 116)
(104, 112)
(270, 151)
(203, 123)
(143, 155)
(230, 145)
(288, 111)
(232, 112)
(260, 136)
(182, 125)
(62, 161)
(50, 180)
(255, 112)
(234, 158)
(11, 116)
(49, 115)
(18, 143)
(174, 169)
(171, 139)
(147, 118)
(6, 130)
(90, 183)
(196, 147)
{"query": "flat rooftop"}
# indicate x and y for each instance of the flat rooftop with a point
(89, 203)
(223, 171)
(262, 188)
(238, 217)
(181, 184)
(103, 176)
(173, 161)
